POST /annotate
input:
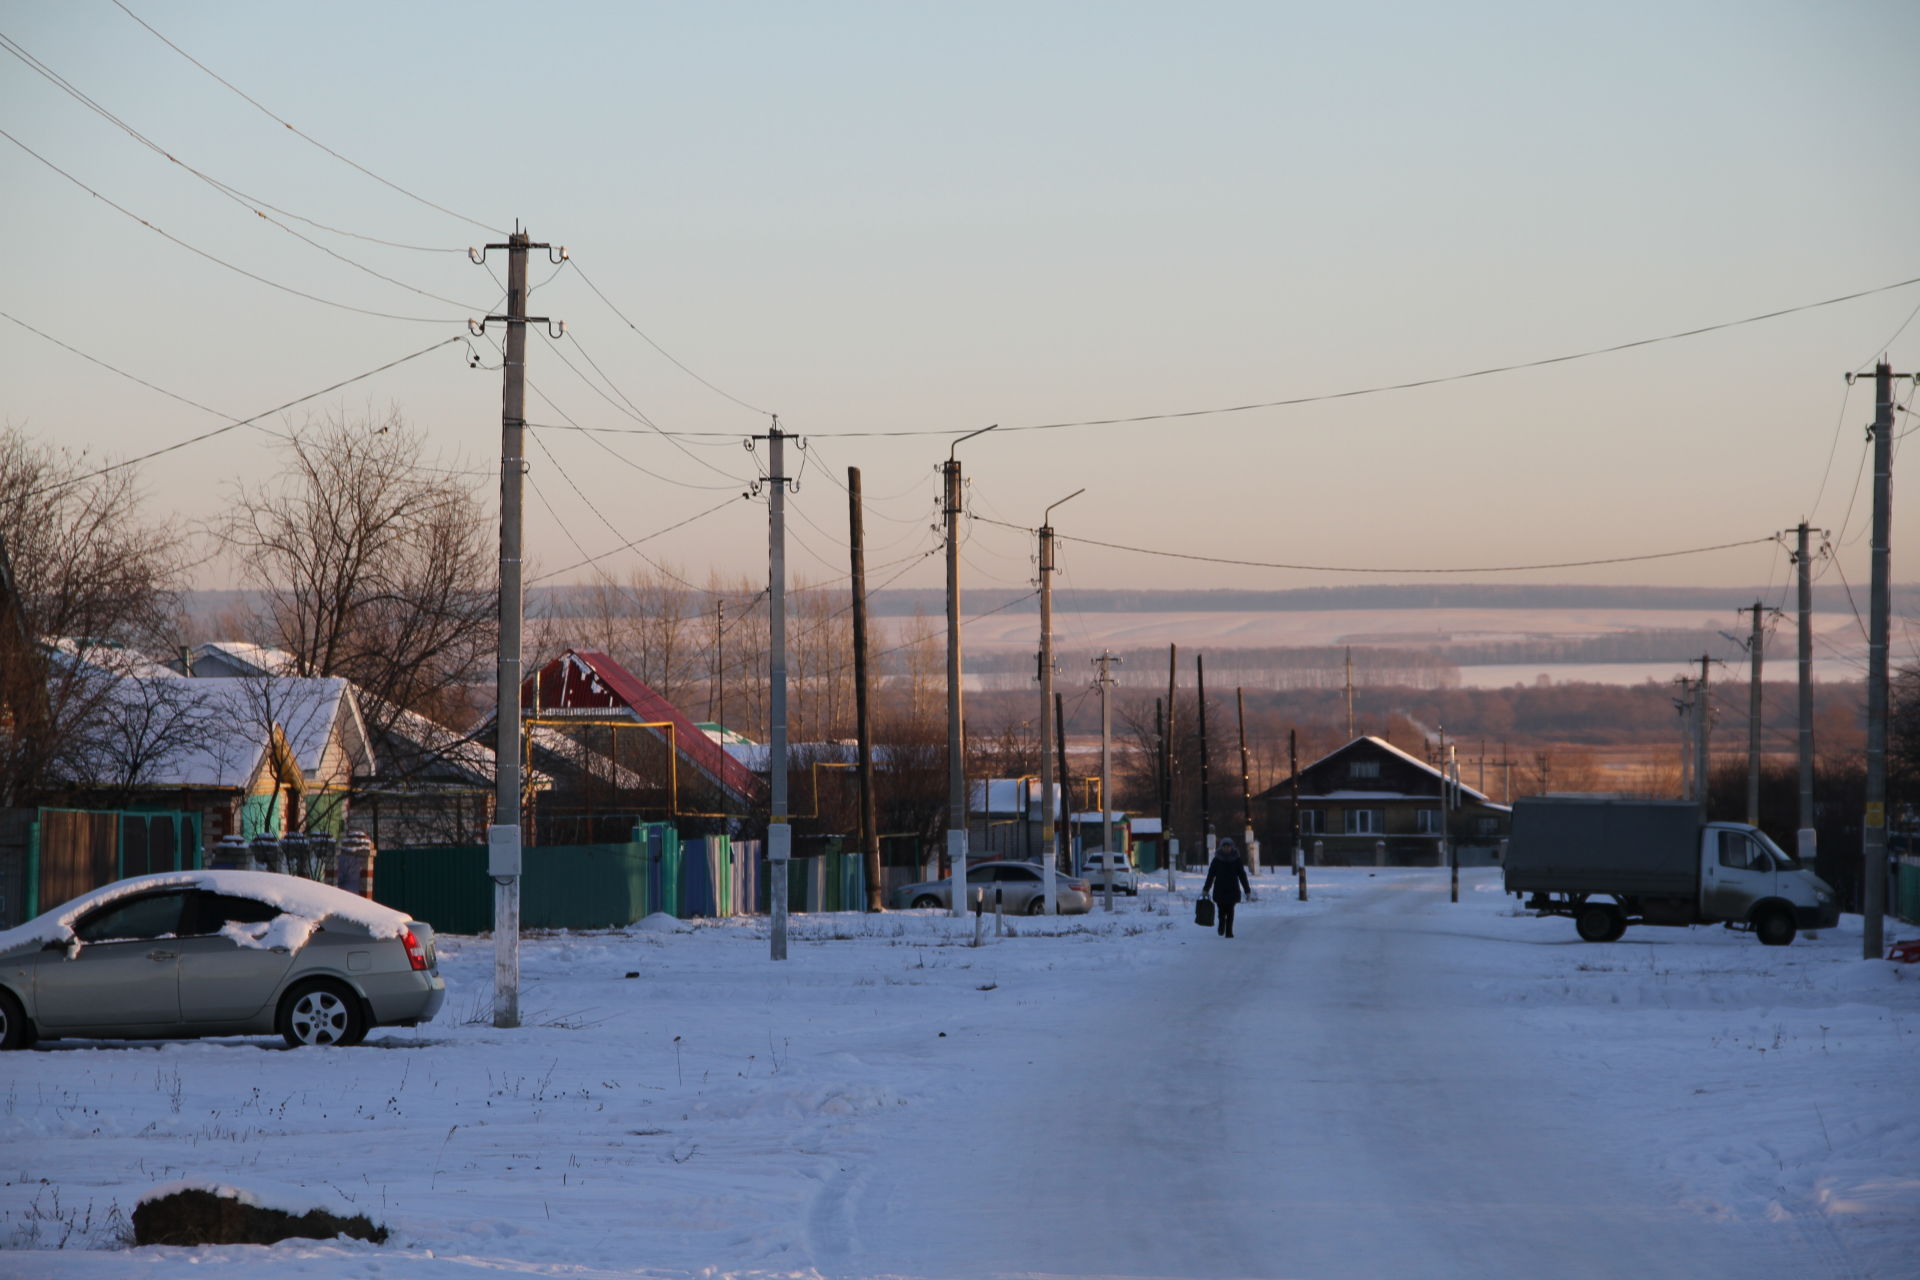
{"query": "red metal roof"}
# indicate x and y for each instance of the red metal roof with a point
(585, 681)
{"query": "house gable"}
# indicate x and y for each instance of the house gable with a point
(584, 684)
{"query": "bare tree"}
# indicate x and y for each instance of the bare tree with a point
(374, 565)
(85, 563)
(141, 725)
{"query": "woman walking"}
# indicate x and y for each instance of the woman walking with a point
(1226, 878)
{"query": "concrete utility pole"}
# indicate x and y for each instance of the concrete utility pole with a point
(503, 835)
(1806, 837)
(1206, 793)
(1048, 858)
(956, 725)
(1702, 726)
(1105, 681)
(863, 721)
(779, 833)
(1251, 849)
(1684, 706)
(1756, 642)
(1066, 789)
(1874, 831)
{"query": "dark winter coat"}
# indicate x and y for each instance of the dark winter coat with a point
(1226, 879)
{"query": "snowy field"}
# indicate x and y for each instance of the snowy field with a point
(1373, 1083)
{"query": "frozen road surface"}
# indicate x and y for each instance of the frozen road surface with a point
(1375, 1083)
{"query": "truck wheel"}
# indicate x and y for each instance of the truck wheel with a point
(1619, 928)
(1775, 927)
(1597, 922)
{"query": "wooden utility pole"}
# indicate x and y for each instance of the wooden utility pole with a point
(1874, 827)
(1349, 693)
(717, 692)
(1160, 772)
(863, 725)
(1171, 757)
(1293, 778)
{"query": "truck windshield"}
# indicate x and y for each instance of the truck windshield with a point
(1781, 858)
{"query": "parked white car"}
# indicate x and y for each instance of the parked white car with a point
(1098, 867)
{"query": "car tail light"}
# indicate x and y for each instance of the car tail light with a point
(1077, 885)
(416, 955)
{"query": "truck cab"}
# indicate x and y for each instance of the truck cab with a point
(1744, 876)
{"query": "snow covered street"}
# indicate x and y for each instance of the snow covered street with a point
(1376, 1082)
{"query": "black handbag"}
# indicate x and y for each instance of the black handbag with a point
(1203, 912)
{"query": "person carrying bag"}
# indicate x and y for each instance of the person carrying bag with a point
(1226, 879)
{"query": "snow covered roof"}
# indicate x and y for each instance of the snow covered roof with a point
(1145, 826)
(213, 733)
(1415, 761)
(294, 895)
(238, 658)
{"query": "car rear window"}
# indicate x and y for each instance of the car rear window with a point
(218, 909)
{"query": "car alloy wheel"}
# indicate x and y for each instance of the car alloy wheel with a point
(322, 1014)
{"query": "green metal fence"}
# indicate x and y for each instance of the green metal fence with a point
(583, 886)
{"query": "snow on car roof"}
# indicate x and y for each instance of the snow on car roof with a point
(293, 895)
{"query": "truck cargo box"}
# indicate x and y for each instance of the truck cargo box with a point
(1603, 845)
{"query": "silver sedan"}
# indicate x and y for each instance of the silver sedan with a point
(216, 953)
(1021, 890)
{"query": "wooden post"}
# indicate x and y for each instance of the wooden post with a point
(863, 728)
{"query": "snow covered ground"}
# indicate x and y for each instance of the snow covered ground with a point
(1375, 1082)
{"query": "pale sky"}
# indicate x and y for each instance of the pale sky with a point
(932, 218)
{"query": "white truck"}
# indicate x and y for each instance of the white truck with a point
(1609, 862)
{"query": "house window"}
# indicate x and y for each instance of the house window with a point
(1427, 822)
(1313, 822)
(1365, 822)
(1364, 769)
(1486, 826)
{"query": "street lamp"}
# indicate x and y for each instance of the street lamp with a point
(1048, 869)
(956, 733)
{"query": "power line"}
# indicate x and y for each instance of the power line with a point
(241, 422)
(239, 197)
(167, 235)
(195, 404)
(658, 533)
(662, 350)
(288, 125)
(1322, 568)
(1386, 387)
(631, 409)
(611, 527)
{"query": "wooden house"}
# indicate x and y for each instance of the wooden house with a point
(1370, 802)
